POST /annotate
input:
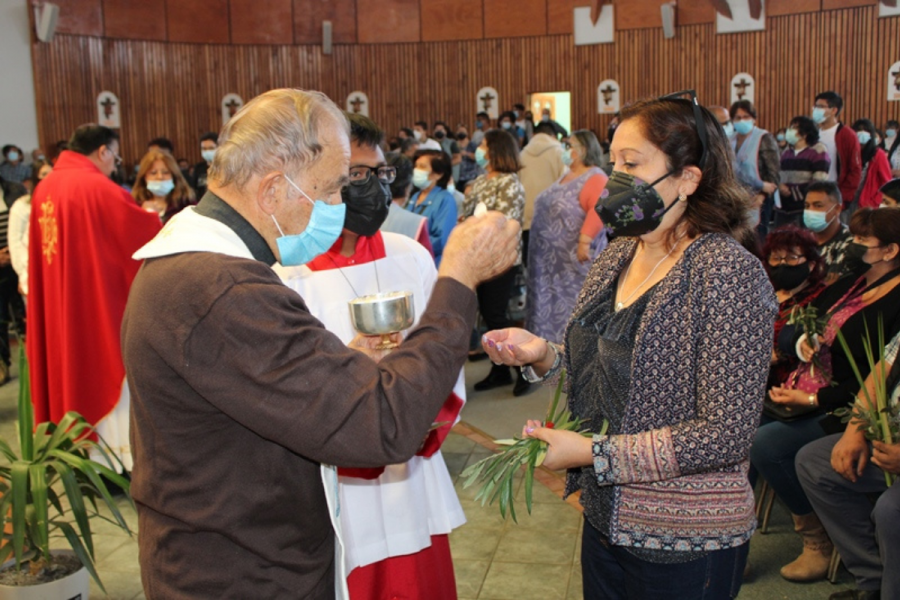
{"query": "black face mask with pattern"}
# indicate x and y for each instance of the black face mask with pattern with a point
(630, 206)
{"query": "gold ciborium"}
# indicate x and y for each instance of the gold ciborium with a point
(383, 314)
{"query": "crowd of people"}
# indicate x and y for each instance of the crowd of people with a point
(665, 262)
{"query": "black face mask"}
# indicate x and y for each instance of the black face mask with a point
(787, 277)
(439, 135)
(367, 206)
(853, 258)
(630, 206)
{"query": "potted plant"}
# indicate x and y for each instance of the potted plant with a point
(50, 490)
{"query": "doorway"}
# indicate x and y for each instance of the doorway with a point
(559, 104)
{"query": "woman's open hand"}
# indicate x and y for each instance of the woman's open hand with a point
(515, 347)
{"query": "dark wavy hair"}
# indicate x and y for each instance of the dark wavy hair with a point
(787, 238)
(806, 128)
(440, 164)
(719, 204)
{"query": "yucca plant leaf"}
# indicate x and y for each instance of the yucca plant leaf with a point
(6, 553)
(76, 504)
(6, 450)
(86, 468)
(19, 482)
(40, 500)
(80, 551)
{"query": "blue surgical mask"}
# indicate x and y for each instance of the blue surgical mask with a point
(890, 132)
(12, 156)
(567, 157)
(161, 188)
(420, 178)
(818, 115)
(506, 125)
(208, 155)
(325, 225)
(792, 137)
(864, 137)
(780, 137)
(479, 125)
(545, 118)
(481, 158)
(816, 221)
(516, 113)
(729, 129)
(744, 126)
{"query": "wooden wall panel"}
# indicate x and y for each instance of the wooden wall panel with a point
(515, 18)
(255, 23)
(839, 4)
(388, 21)
(638, 14)
(198, 21)
(778, 8)
(80, 17)
(446, 20)
(126, 19)
(695, 12)
(309, 15)
(174, 89)
(560, 19)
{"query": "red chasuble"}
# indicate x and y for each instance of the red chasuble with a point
(84, 229)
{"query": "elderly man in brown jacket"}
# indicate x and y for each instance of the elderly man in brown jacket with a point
(240, 396)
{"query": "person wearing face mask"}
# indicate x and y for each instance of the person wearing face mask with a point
(19, 217)
(670, 342)
(160, 187)
(892, 146)
(395, 541)
(781, 138)
(876, 170)
(507, 122)
(482, 125)
(566, 237)
(821, 215)
(400, 220)
(420, 133)
(13, 167)
(559, 129)
(842, 145)
(434, 201)
(242, 400)
(855, 304)
(757, 157)
(208, 143)
(83, 232)
(448, 146)
(803, 162)
(468, 168)
(524, 122)
(498, 189)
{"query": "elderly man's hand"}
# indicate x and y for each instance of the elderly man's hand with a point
(480, 248)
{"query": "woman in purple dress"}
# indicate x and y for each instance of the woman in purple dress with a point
(566, 235)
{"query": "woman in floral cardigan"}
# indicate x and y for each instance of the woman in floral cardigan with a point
(670, 342)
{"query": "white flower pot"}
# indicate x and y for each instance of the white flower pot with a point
(76, 586)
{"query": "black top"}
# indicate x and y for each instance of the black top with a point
(215, 208)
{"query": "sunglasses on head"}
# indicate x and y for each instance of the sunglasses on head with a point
(700, 123)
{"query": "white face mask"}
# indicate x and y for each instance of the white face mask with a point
(418, 135)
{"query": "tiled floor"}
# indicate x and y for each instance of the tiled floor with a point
(538, 558)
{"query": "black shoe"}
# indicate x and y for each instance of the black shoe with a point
(856, 595)
(523, 386)
(498, 377)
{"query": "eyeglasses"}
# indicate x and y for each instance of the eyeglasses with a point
(359, 175)
(791, 260)
(699, 122)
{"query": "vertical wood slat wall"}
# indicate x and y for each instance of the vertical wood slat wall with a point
(174, 89)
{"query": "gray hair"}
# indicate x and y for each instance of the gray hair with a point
(593, 154)
(278, 130)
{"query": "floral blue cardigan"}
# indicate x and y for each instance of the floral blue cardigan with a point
(698, 379)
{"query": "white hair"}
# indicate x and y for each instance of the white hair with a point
(280, 130)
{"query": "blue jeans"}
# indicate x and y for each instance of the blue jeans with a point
(773, 452)
(612, 572)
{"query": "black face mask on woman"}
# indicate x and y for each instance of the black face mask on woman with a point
(367, 206)
(630, 206)
(787, 277)
(853, 258)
